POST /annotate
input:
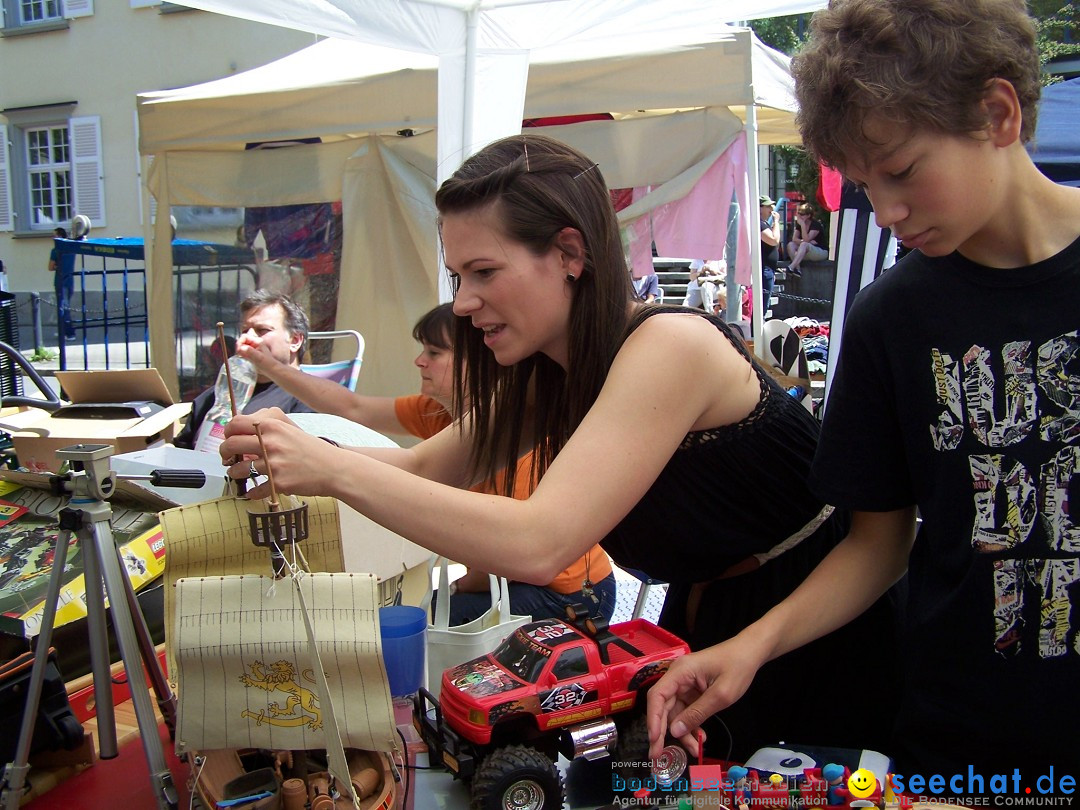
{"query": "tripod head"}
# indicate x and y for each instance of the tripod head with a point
(92, 477)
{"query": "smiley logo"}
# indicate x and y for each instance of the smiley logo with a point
(862, 783)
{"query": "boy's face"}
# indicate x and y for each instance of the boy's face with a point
(922, 184)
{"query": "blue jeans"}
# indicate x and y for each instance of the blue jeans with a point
(64, 286)
(533, 600)
(768, 281)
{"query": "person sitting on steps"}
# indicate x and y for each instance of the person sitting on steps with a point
(808, 241)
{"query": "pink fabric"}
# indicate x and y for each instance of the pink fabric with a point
(829, 185)
(695, 227)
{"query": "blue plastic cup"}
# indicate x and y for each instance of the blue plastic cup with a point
(403, 629)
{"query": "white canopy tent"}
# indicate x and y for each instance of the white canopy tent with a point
(485, 47)
(678, 102)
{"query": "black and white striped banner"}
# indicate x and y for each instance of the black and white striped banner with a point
(861, 249)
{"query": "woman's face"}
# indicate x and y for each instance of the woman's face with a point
(436, 366)
(520, 300)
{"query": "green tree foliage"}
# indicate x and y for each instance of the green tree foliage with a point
(1058, 28)
(785, 34)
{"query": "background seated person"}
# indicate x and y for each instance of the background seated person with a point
(423, 415)
(647, 288)
(808, 242)
(706, 287)
(272, 323)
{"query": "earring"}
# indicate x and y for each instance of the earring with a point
(571, 277)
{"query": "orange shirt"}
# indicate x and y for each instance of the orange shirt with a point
(423, 417)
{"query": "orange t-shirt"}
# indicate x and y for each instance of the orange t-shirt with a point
(423, 417)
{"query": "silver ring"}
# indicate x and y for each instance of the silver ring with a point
(252, 472)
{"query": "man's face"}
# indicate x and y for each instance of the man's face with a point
(265, 326)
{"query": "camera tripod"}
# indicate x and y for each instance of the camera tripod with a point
(88, 516)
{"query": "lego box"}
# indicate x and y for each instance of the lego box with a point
(130, 409)
(28, 534)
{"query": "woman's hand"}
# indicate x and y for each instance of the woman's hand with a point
(299, 460)
(252, 348)
(696, 687)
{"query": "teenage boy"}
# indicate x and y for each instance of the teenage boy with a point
(957, 393)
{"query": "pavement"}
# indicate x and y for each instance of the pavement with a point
(79, 357)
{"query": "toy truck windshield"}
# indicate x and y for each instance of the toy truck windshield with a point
(525, 651)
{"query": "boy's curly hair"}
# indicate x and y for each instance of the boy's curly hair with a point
(919, 64)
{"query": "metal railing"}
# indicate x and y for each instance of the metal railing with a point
(109, 313)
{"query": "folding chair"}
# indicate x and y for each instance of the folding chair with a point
(784, 350)
(345, 372)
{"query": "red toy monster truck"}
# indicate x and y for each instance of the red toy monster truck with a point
(574, 687)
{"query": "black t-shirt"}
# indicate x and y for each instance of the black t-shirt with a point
(265, 395)
(770, 254)
(958, 389)
(816, 228)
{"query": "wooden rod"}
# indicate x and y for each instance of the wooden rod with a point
(228, 371)
(274, 505)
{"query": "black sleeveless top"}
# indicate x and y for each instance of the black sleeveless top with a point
(738, 490)
(728, 492)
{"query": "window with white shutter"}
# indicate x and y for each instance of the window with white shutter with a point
(78, 8)
(87, 170)
(7, 215)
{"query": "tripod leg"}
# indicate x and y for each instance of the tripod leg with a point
(165, 698)
(99, 650)
(105, 547)
(15, 771)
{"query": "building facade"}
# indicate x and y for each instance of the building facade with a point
(68, 130)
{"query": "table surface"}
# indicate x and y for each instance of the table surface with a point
(588, 786)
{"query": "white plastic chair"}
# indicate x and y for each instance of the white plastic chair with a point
(346, 372)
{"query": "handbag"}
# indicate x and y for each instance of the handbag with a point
(449, 646)
(55, 726)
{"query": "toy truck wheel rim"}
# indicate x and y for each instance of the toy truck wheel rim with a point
(523, 795)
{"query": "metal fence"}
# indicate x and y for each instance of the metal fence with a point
(108, 304)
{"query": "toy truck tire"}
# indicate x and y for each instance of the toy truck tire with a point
(633, 744)
(517, 777)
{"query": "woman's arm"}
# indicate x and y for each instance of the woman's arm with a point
(419, 500)
(321, 395)
(770, 234)
(850, 579)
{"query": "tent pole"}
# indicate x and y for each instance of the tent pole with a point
(472, 23)
(755, 239)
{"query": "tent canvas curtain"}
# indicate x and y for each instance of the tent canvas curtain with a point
(379, 155)
(685, 216)
(862, 251)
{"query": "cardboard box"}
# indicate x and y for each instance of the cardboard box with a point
(94, 417)
(144, 462)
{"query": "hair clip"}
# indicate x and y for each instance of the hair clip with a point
(585, 171)
(525, 144)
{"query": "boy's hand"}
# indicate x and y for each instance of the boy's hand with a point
(696, 687)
